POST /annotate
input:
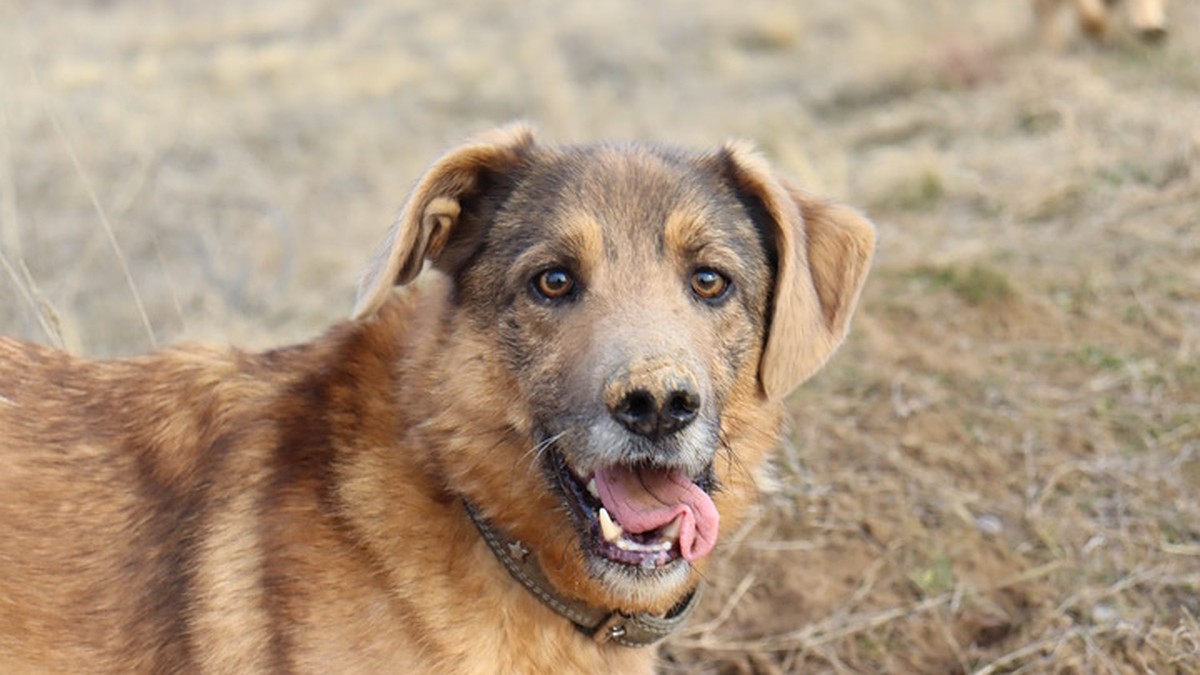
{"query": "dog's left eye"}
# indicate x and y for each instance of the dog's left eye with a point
(709, 284)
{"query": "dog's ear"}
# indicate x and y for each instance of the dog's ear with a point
(823, 254)
(433, 209)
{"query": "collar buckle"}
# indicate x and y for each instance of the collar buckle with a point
(612, 628)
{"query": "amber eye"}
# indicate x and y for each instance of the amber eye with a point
(709, 284)
(554, 283)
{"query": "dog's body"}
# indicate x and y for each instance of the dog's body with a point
(1147, 17)
(601, 315)
(206, 510)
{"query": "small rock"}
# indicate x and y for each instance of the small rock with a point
(989, 525)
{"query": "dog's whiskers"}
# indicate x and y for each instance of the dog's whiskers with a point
(535, 453)
(734, 464)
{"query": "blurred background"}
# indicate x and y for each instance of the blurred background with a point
(999, 471)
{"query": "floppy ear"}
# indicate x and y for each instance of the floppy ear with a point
(823, 254)
(433, 209)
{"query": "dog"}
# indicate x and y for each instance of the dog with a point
(518, 464)
(1147, 17)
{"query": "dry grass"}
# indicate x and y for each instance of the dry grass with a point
(999, 472)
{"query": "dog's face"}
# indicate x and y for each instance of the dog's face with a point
(632, 303)
(641, 307)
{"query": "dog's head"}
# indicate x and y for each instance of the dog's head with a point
(635, 315)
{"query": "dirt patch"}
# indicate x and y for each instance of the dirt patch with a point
(998, 473)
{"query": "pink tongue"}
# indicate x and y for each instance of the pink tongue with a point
(646, 499)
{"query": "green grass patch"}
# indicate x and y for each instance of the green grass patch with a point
(922, 193)
(936, 578)
(1098, 357)
(977, 285)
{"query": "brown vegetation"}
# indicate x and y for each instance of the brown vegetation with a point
(998, 473)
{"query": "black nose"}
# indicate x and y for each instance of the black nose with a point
(646, 415)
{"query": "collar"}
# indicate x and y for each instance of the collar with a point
(602, 625)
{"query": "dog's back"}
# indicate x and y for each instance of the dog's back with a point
(100, 478)
(137, 497)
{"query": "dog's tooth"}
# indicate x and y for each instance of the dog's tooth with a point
(671, 530)
(649, 564)
(612, 532)
(592, 489)
(626, 544)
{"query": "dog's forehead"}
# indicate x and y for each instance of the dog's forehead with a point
(632, 190)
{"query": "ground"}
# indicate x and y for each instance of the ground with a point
(998, 472)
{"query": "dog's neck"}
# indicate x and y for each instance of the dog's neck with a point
(601, 624)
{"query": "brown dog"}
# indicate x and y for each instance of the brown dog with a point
(517, 466)
(1148, 18)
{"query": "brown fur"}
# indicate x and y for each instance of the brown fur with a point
(1148, 18)
(300, 510)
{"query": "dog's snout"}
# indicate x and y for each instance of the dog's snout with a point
(656, 414)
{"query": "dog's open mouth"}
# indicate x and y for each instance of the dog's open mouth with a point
(641, 516)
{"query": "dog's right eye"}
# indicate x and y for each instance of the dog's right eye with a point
(554, 284)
